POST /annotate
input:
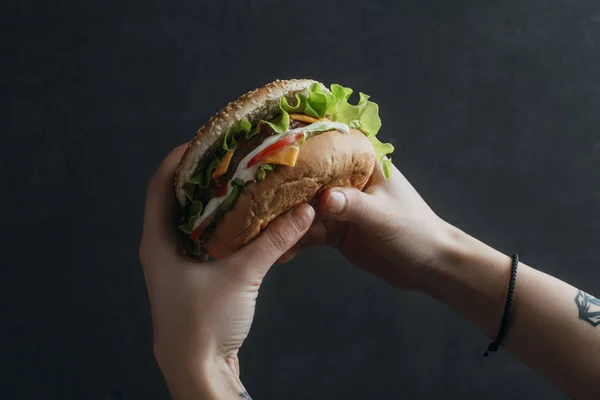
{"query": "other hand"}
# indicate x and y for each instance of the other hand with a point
(387, 230)
(202, 311)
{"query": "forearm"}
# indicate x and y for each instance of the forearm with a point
(545, 329)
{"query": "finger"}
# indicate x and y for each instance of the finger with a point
(377, 177)
(159, 232)
(378, 183)
(352, 205)
(315, 236)
(281, 234)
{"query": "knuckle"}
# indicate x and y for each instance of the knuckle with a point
(357, 201)
(297, 222)
(278, 238)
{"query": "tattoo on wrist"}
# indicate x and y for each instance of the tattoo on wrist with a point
(245, 395)
(589, 308)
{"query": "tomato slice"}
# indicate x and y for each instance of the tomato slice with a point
(286, 141)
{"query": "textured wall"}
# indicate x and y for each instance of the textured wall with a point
(493, 106)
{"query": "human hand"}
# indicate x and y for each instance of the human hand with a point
(387, 230)
(202, 312)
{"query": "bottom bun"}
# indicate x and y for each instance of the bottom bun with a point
(328, 160)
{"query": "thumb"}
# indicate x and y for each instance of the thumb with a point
(281, 235)
(352, 205)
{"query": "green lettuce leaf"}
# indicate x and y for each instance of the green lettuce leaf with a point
(190, 190)
(363, 116)
(236, 130)
(238, 182)
(196, 208)
(381, 149)
(203, 177)
(280, 124)
(194, 211)
(386, 167)
(260, 175)
(317, 104)
(228, 202)
(185, 228)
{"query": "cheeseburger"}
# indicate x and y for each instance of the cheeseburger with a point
(270, 150)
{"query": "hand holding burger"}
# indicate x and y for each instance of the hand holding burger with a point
(202, 312)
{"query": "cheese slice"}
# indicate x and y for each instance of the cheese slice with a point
(223, 165)
(285, 156)
(306, 118)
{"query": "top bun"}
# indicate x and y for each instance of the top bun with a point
(258, 104)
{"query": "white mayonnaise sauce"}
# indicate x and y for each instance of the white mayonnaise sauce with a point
(248, 174)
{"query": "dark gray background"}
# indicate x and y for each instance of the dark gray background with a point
(494, 108)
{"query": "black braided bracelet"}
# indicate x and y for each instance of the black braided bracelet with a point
(507, 306)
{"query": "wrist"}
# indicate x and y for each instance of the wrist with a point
(446, 250)
(470, 277)
(204, 378)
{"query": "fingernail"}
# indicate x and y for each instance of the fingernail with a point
(335, 202)
(303, 215)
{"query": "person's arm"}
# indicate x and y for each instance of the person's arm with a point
(390, 231)
(554, 327)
